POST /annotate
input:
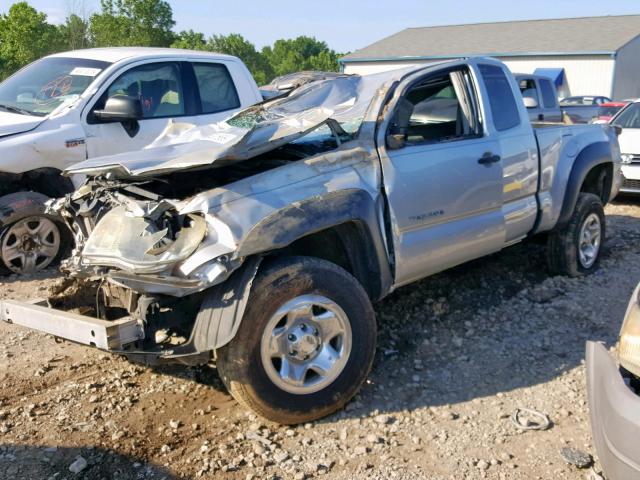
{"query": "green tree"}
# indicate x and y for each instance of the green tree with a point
(302, 53)
(145, 23)
(190, 40)
(235, 44)
(232, 44)
(75, 32)
(25, 36)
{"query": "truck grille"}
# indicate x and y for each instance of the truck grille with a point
(631, 184)
(635, 159)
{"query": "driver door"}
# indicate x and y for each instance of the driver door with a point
(160, 88)
(442, 173)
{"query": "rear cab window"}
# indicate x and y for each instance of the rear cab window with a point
(502, 103)
(217, 90)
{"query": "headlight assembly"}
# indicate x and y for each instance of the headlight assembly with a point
(626, 158)
(141, 245)
(629, 348)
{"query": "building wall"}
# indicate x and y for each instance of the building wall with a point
(626, 83)
(584, 75)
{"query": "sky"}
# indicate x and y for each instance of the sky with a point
(345, 25)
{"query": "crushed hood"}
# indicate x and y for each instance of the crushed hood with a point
(12, 123)
(255, 130)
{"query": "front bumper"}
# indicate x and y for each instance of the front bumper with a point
(615, 415)
(107, 335)
(630, 178)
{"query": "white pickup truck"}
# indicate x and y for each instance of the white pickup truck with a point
(72, 106)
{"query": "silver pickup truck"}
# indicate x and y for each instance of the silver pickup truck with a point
(261, 242)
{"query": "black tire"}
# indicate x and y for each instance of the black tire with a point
(17, 206)
(563, 256)
(240, 363)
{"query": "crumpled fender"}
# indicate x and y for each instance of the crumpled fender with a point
(223, 308)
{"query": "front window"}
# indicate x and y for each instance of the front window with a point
(43, 86)
(608, 111)
(528, 89)
(439, 108)
(629, 117)
(157, 85)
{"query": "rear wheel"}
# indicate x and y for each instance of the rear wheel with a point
(306, 342)
(575, 249)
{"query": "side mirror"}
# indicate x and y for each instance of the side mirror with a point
(120, 109)
(530, 102)
(395, 141)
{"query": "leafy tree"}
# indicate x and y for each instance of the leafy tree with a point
(302, 53)
(145, 23)
(25, 36)
(75, 32)
(235, 44)
(232, 44)
(190, 40)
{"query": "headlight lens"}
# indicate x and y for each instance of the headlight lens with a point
(629, 349)
(138, 245)
(626, 158)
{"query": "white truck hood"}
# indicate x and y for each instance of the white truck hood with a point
(12, 123)
(629, 141)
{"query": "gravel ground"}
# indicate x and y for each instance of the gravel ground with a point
(458, 354)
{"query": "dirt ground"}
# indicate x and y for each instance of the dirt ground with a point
(458, 353)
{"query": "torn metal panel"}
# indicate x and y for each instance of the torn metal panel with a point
(134, 237)
(254, 131)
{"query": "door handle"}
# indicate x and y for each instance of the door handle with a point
(488, 158)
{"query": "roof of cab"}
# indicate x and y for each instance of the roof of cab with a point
(117, 54)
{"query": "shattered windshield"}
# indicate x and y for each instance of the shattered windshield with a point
(40, 88)
(336, 97)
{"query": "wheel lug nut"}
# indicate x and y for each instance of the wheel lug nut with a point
(292, 337)
(303, 327)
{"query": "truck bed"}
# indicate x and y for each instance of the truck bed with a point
(558, 145)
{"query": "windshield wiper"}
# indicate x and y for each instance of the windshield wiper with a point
(17, 110)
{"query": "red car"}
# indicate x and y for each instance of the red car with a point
(607, 111)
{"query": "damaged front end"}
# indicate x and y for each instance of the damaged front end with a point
(125, 234)
(141, 265)
(169, 239)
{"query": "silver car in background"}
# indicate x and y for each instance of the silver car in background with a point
(614, 398)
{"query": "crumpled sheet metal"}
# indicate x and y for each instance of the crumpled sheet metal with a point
(253, 131)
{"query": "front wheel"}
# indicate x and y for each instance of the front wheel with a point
(306, 342)
(30, 240)
(575, 249)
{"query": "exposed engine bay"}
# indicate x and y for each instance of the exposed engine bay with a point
(153, 230)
